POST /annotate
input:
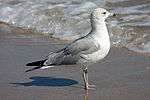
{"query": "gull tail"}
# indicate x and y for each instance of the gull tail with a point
(38, 67)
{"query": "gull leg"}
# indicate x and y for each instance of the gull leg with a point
(85, 77)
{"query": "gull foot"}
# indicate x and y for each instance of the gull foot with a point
(90, 87)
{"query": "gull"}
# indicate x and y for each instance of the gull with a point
(83, 51)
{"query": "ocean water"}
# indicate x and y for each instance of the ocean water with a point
(69, 19)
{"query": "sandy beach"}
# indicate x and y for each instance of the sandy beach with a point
(122, 75)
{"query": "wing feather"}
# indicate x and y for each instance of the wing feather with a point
(70, 54)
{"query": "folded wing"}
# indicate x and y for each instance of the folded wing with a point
(71, 53)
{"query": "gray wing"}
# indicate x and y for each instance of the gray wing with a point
(85, 45)
(70, 54)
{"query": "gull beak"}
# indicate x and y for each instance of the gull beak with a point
(112, 14)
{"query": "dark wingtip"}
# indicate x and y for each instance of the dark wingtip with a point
(36, 63)
(29, 64)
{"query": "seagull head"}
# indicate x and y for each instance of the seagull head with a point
(101, 14)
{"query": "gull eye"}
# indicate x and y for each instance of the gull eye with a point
(104, 13)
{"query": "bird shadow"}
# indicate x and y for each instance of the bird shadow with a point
(48, 81)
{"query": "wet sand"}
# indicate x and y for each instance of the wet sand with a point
(122, 75)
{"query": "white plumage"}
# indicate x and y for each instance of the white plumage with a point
(85, 50)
